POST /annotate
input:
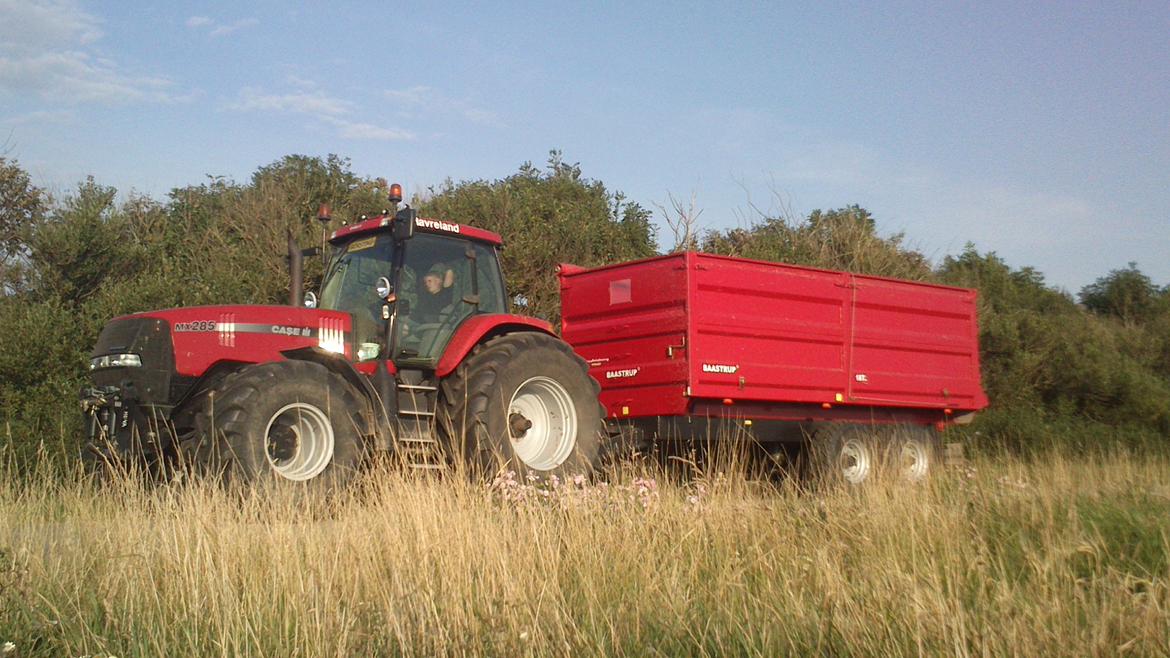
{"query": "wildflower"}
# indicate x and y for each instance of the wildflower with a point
(7, 648)
(523, 635)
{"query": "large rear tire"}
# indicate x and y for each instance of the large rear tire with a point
(525, 402)
(282, 423)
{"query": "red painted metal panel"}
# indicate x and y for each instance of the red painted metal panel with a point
(206, 335)
(420, 224)
(667, 333)
(767, 333)
(472, 331)
(914, 345)
(629, 322)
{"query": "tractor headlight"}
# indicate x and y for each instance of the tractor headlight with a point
(115, 361)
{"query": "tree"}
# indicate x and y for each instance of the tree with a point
(22, 205)
(841, 239)
(1127, 294)
(547, 218)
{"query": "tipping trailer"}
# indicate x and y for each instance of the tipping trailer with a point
(861, 371)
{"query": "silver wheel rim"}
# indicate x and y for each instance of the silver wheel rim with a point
(298, 442)
(542, 423)
(914, 461)
(855, 461)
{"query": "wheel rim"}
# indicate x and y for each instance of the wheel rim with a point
(298, 442)
(914, 461)
(855, 462)
(542, 423)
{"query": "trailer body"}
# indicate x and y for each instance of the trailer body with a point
(701, 335)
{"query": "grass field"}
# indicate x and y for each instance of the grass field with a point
(1000, 557)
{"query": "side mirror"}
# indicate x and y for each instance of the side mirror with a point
(310, 300)
(404, 224)
(382, 288)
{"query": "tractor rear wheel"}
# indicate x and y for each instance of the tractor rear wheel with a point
(523, 401)
(284, 422)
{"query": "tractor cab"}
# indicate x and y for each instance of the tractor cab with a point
(409, 288)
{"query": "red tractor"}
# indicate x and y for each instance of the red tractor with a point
(408, 348)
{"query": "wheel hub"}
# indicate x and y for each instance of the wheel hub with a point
(518, 424)
(299, 442)
(542, 423)
(855, 461)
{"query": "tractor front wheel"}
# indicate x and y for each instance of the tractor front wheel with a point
(281, 422)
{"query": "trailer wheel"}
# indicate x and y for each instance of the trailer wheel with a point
(523, 401)
(916, 453)
(846, 454)
(284, 422)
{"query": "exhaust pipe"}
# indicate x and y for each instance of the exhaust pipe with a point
(296, 272)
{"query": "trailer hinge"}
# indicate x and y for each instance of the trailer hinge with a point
(671, 348)
(687, 392)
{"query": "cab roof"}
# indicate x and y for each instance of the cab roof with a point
(423, 224)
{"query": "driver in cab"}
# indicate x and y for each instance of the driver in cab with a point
(435, 297)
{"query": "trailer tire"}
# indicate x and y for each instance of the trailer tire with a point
(284, 423)
(916, 453)
(525, 402)
(846, 454)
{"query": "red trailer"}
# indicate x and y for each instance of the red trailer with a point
(789, 352)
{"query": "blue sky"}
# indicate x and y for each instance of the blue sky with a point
(1038, 132)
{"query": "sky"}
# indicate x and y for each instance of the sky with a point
(1038, 131)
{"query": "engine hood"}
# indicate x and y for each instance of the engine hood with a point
(206, 335)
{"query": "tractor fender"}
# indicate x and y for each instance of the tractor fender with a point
(338, 364)
(480, 328)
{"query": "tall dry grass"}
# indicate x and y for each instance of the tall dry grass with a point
(1053, 557)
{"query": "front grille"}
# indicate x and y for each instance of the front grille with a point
(150, 339)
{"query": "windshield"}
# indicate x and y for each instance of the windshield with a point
(440, 283)
(349, 285)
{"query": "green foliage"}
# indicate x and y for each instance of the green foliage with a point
(842, 239)
(1127, 294)
(21, 206)
(547, 218)
(1055, 371)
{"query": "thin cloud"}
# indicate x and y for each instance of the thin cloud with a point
(315, 103)
(40, 117)
(367, 131)
(327, 109)
(78, 77)
(413, 98)
(224, 30)
(198, 21)
(45, 52)
(31, 27)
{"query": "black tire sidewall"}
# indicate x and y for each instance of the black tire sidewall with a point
(517, 358)
(277, 385)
